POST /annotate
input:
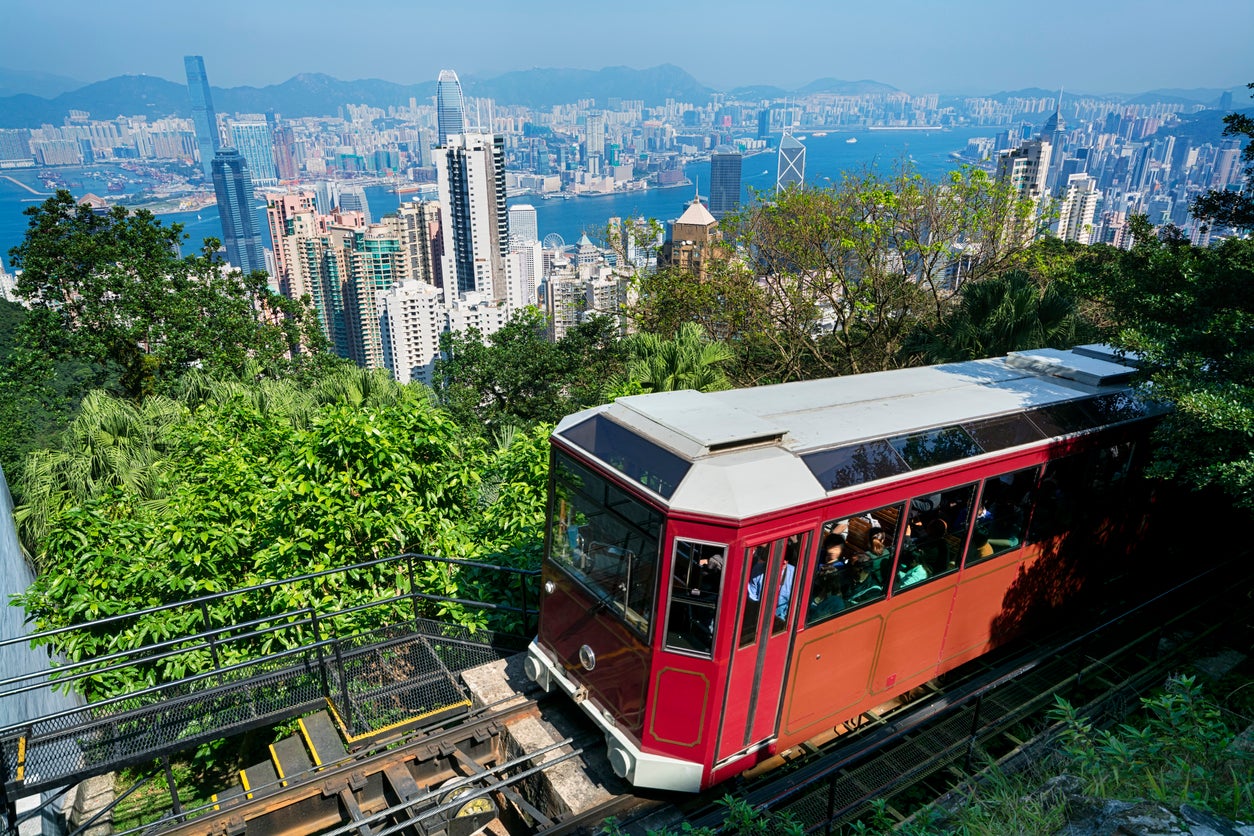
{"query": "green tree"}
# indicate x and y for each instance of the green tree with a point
(997, 315)
(110, 289)
(1189, 313)
(688, 361)
(823, 282)
(520, 377)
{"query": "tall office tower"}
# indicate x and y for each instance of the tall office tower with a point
(353, 199)
(523, 226)
(327, 196)
(450, 108)
(233, 186)
(1078, 208)
(595, 140)
(764, 123)
(281, 213)
(253, 140)
(470, 171)
(724, 181)
(411, 319)
(203, 115)
(792, 164)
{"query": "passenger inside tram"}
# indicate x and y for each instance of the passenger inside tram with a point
(865, 584)
(912, 570)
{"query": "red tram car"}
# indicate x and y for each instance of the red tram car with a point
(729, 574)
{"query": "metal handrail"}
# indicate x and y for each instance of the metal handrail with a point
(218, 596)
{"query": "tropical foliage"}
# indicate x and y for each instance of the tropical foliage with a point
(110, 288)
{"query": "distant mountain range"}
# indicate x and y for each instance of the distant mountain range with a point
(34, 99)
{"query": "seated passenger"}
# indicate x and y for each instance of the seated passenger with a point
(929, 540)
(831, 558)
(912, 570)
(980, 547)
(878, 554)
(825, 598)
(865, 583)
(1004, 527)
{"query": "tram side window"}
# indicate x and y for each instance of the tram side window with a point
(696, 583)
(1062, 491)
(758, 559)
(606, 539)
(855, 557)
(935, 536)
(1002, 522)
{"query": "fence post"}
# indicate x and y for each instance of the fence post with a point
(176, 806)
(322, 662)
(413, 596)
(213, 645)
(522, 580)
(975, 726)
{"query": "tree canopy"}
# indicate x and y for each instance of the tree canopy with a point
(111, 288)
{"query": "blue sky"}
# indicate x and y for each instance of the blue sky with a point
(920, 46)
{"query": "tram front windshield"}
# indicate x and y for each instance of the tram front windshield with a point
(605, 538)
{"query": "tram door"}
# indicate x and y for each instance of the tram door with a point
(770, 594)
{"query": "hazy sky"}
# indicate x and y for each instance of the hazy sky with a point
(917, 45)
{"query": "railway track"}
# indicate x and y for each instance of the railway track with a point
(463, 779)
(992, 710)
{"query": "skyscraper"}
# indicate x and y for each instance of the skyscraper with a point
(353, 199)
(470, 170)
(233, 186)
(1078, 209)
(253, 140)
(450, 107)
(792, 163)
(724, 181)
(203, 115)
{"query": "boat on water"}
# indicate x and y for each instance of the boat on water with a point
(819, 133)
(851, 140)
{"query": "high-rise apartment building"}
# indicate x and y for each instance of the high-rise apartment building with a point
(233, 187)
(1078, 209)
(450, 107)
(792, 164)
(595, 140)
(725, 166)
(1026, 170)
(281, 214)
(253, 140)
(418, 227)
(470, 170)
(203, 115)
(523, 226)
(411, 319)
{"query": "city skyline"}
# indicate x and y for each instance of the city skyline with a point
(909, 44)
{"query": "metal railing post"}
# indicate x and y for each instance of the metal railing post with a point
(213, 646)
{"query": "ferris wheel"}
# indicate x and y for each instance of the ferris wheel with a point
(553, 241)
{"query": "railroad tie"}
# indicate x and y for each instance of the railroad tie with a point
(291, 758)
(325, 743)
(260, 777)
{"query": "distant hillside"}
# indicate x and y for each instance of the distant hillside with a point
(549, 86)
(758, 92)
(865, 87)
(317, 94)
(14, 82)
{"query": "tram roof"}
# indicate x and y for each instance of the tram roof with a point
(745, 451)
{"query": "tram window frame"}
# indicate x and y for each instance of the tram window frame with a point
(618, 563)
(999, 535)
(931, 534)
(1060, 493)
(888, 520)
(694, 592)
